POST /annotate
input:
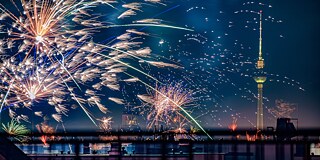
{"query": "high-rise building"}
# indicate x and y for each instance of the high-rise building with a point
(130, 121)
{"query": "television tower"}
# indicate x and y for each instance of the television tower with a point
(260, 80)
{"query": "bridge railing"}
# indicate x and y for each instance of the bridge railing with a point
(226, 144)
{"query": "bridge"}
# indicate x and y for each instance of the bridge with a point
(233, 145)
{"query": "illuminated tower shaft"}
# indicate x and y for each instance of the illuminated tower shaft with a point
(260, 80)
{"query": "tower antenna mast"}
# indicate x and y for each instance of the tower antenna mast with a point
(260, 80)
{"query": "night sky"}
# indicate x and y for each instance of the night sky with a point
(218, 60)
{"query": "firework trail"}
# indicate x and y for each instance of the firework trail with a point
(221, 65)
(218, 63)
(56, 27)
(49, 54)
(223, 61)
(42, 25)
(28, 84)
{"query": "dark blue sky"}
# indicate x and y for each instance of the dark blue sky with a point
(297, 56)
(290, 48)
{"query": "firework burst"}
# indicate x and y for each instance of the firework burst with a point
(17, 130)
(44, 25)
(31, 82)
(164, 106)
(56, 27)
(44, 128)
(233, 126)
(52, 55)
(282, 109)
(105, 123)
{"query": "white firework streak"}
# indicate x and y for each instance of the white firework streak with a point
(45, 29)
